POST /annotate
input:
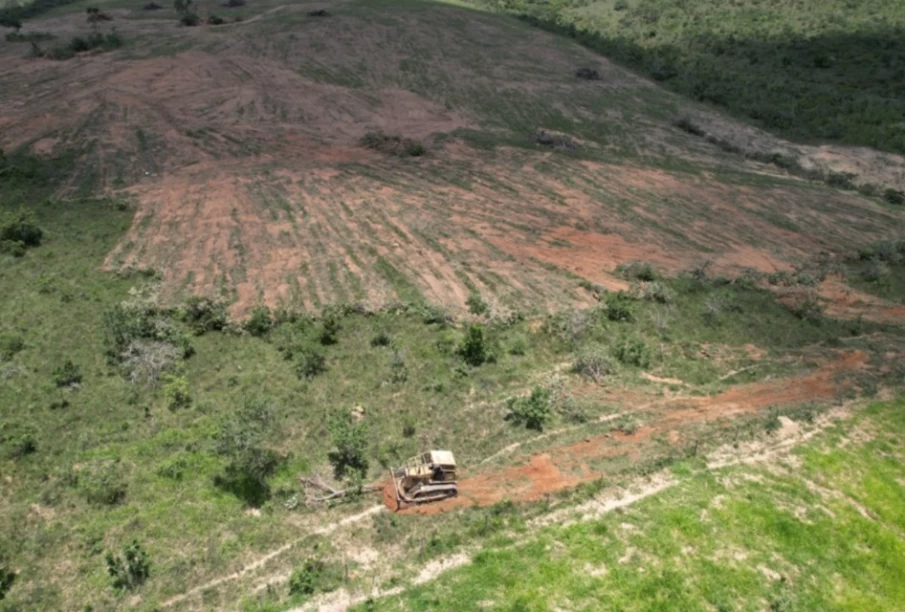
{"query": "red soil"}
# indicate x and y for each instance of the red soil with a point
(565, 467)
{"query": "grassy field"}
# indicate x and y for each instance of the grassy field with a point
(819, 529)
(813, 70)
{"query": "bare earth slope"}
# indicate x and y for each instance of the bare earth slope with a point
(241, 146)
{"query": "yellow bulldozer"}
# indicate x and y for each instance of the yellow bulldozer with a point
(429, 477)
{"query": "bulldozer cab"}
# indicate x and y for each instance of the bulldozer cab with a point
(428, 477)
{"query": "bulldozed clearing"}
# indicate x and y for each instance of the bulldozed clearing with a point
(242, 155)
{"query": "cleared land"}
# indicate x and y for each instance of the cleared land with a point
(818, 528)
(385, 304)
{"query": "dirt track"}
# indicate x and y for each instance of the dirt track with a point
(567, 466)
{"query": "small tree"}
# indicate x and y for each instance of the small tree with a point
(260, 321)
(242, 438)
(8, 20)
(473, 348)
(130, 570)
(350, 441)
(67, 375)
(534, 411)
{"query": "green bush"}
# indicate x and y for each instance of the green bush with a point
(67, 375)
(637, 270)
(95, 41)
(315, 576)
(10, 345)
(619, 307)
(477, 305)
(593, 362)
(17, 37)
(23, 445)
(177, 391)
(350, 443)
(392, 145)
(894, 197)
(632, 350)
(260, 321)
(131, 569)
(204, 315)
(215, 21)
(473, 348)
(140, 319)
(654, 291)
(329, 330)
(309, 362)
(18, 233)
(7, 577)
(101, 483)
(533, 411)
(242, 439)
(381, 338)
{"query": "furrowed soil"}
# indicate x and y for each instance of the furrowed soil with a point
(240, 145)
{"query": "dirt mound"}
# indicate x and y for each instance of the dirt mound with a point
(567, 466)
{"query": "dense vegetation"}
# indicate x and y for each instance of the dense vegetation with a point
(810, 69)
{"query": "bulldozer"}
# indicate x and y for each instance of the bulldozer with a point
(429, 477)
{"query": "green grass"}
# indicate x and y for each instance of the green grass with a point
(812, 70)
(821, 531)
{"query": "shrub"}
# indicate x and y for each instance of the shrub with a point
(637, 270)
(260, 321)
(398, 370)
(518, 346)
(176, 390)
(7, 577)
(894, 197)
(203, 314)
(101, 483)
(687, 125)
(152, 6)
(477, 305)
(189, 20)
(242, 439)
(329, 330)
(620, 5)
(233, 3)
(309, 362)
(533, 411)
(215, 21)
(350, 442)
(382, 338)
(140, 319)
(8, 20)
(145, 361)
(807, 307)
(473, 348)
(10, 346)
(875, 271)
(67, 375)
(19, 232)
(23, 445)
(632, 350)
(314, 576)
(95, 15)
(318, 13)
(593, 362)
(654, 291)
(588, 74)
(392, 145)
(131, 569)
(33, 37)
(619, 307)
(174, 469)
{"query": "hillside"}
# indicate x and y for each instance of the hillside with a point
(814, 70)
(221, 271)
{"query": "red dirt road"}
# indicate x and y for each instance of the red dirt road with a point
(567, 466)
